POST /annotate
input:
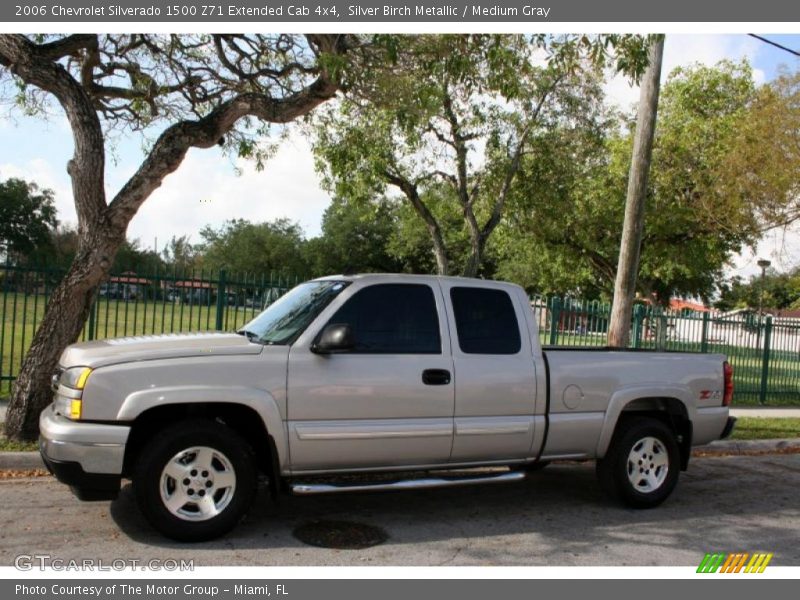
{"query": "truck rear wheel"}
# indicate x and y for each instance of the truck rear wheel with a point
(642, 464)
(195, 480)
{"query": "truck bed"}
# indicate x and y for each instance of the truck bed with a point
(586, 384)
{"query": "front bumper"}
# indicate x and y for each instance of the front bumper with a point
(86, 456)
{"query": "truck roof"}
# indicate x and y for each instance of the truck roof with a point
(413, 277)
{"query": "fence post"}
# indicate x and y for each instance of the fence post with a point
(555, 318)
(221, 300)
(92, 320)
(704, 334)
(762, 396)
(638, 319)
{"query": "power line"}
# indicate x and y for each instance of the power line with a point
(776, 44)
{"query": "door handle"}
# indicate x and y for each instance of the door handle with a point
(436, 377)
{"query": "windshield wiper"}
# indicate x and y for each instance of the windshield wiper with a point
(252, 336)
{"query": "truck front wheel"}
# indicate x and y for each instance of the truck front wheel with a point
(195, 480)
(642, 463)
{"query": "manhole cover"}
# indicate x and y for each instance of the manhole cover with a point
(342, 535)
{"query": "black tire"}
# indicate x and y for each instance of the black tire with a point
(635, 483)
(228, 456)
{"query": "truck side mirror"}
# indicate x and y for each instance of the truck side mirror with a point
(335, 338)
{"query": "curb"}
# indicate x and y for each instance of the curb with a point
(32, 460)
(20, 461)
(737, 447)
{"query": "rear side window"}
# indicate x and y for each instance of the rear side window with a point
(393, 318)
(485, 321)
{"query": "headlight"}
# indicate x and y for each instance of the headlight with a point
(69, 404)
(75, 377)
(68, 407)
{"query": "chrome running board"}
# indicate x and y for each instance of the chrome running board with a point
(307, 489)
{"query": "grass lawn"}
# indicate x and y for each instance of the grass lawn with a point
(7, 445)
(765, 428)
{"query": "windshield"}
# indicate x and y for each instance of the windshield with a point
(288, 317)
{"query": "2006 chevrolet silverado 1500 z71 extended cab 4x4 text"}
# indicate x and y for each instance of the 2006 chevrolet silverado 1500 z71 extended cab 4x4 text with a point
(369, 374)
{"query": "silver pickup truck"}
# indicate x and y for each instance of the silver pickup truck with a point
(432, 378)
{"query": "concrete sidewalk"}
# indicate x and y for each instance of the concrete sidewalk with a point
(766, 411)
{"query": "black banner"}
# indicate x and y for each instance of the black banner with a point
(382, 11)
(433, 589)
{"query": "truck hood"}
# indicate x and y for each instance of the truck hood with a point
(149, 347)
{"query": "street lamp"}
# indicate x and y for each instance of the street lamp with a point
(764, 264)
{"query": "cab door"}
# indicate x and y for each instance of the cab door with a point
(495, 414)
(389, 401)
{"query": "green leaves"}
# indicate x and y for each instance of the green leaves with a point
(701, 209)
(455, 112)
(27, 217)
(254, 247)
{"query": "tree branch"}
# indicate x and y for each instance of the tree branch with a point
(513, 169)
(87, 168)
(412, 194)
(70, 45)
(172, 145)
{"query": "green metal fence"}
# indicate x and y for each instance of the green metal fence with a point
(765, 352)
(132, 303)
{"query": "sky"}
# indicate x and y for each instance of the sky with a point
(210, 188)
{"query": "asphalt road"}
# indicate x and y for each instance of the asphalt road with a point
(557, 517)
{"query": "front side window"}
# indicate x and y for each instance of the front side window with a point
(288, 317)
(392, 318)
(485, 321)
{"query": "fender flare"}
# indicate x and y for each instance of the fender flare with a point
(621, 398)
(261, 401)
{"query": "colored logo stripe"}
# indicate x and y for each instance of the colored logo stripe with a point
(758, 563)
(734, 562)
(711, 563)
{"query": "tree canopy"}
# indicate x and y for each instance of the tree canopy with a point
(356, 237)
(458, 111)
(27, 218)
(272, 247)
(775, 291)
(701, 210)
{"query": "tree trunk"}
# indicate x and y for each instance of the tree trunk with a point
(431, 224)
(102, 226)
(475, 257)
(63, 321)
(440, 253)
(628, 265)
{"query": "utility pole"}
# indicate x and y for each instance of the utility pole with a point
(630, 245)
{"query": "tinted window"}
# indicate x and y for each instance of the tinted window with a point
(485, 321)
(393, 318)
